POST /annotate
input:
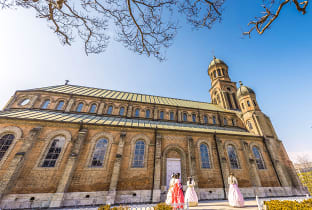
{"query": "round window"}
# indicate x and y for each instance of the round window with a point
(25, 102)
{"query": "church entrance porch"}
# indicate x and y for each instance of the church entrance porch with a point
(173, 166)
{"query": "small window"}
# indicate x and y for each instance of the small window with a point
(233, 122)
(53, 152)
(225, 121)
(204, 156)
(243, 107)
(93, 108)
(5, 142)
(215, 74)
(110, 110)
(138, 157)
(194, 117)
(219, 72)
(79, 107)
(161, 115)
(232, 157)
(248, 103)
(147, 113)
(205, 119)
(25, 102)
(171, 116)
(249, 125)
(122, 111)
(223, 71)
(60, 105)
(184, 117)
(254, 102)
(137, 112)
(45, 104)
(214, 120)
(258, 157)
(99, 153)
(229, 89)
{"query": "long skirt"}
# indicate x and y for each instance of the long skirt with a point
(177, 198)
(191, 197)
(169, 196)
(236, 198)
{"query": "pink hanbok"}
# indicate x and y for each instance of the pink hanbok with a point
(190, 195)
(236, 198)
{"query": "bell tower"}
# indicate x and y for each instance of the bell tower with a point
(223, 90)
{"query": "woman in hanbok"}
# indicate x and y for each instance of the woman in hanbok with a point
(177, 198)
(190, 195)
(170, 190)
(236, 198)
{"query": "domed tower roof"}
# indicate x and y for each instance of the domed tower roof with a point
(215, 61)
(244, 90)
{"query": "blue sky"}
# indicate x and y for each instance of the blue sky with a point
(277, 65)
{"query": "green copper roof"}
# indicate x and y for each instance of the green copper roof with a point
(116, 121)
(135, 97)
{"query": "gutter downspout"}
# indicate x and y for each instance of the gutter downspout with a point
(219, 161)
(152, 192)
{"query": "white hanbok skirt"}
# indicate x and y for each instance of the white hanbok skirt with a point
(236, 198)
(191, 197)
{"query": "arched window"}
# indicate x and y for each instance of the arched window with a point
(121, 111)
(215, 74)
(243, 107)
(99, 153)
(254, 102)
(205, 161)
(93, 108)
(223, 72)
(54, 152)
(225, 121)
(45, 104)
(171, 116)
(248, 103)
(138, 158)
(79, 107)
(249, 125)
(5, 142)
(229, 100)
(137, 112)
(60, 105)
(219, 72)
(205, 119)
(258, 157)
(161, 115)
(147, 113)
(214, 120)
(194, 117)
(184, 117)
(110, 110)
(232, 157)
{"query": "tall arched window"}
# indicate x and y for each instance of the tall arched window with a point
(225, 121)
(249, 124)
(137, 112)
(258, 157)
(121, 111)
(205, 119)
(214, 120)
(93, 108)
(232, 157)
(205, 160)
(171, 116)
(147, 113)
(5, 142)
(45, 104)
(194, 117)
(243, 107)
(219, 72)
(184, 117)
(60, 105)
(110, 110)
(138, 158)
(79, 107)
(161, 115)
(215, 74)
(248, 103)
(254, 102)
(54, 152)
(99, 153)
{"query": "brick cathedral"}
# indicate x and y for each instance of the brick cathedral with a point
(70, 145)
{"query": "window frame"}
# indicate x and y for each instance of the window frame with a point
(184, 117)
(58, 104)
(206, 120)
(93, 151)
(171, 115)
(149, 113)
(261, 157)
(201, 157)
(44, 105)
(123, 111)
(194, 118)
(78, 108)
(5, 153)
(236, 155)
(134, 154)
(110, 111)
(95, 109)
(137, 112)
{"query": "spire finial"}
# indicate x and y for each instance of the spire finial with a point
(66, 82)
(240, 83)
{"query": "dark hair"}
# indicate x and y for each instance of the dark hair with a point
(190, 178)
(178, 175)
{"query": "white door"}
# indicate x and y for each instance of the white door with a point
(173, 166)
